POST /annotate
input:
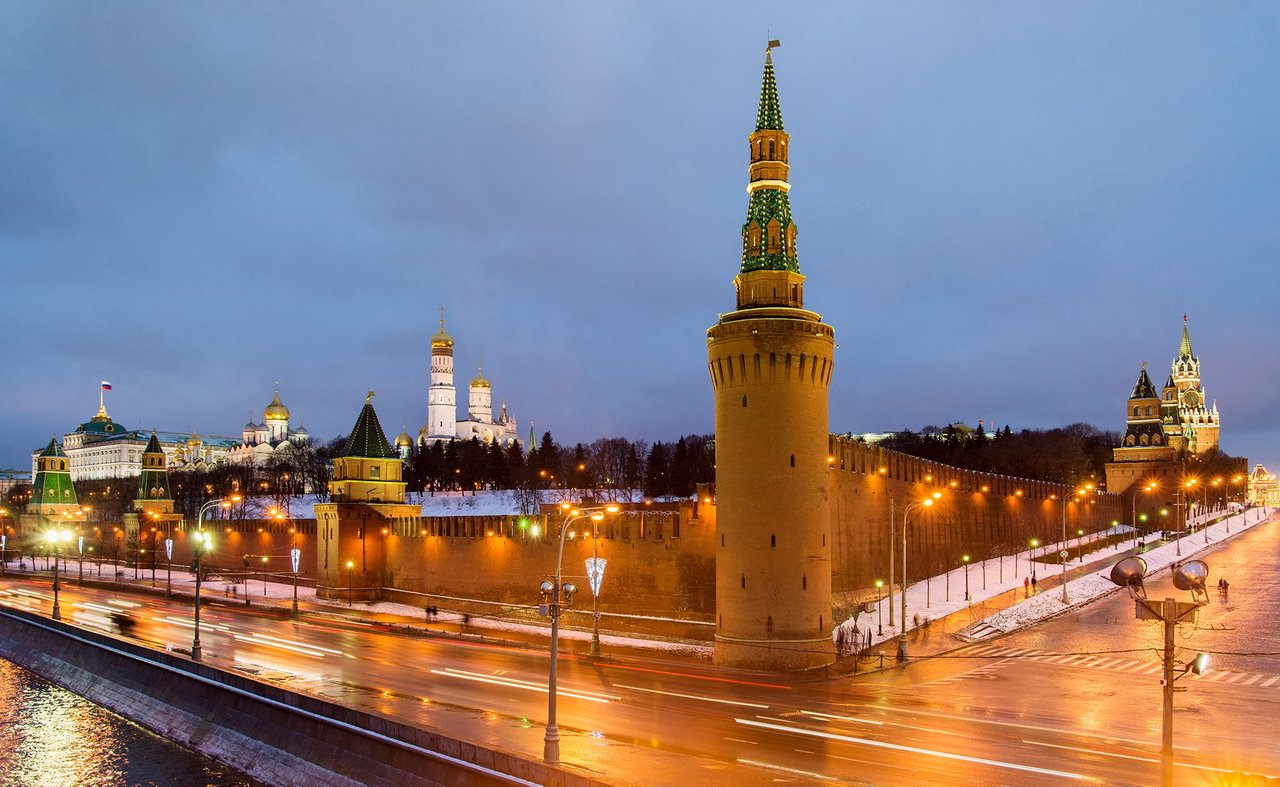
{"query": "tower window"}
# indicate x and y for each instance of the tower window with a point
(768, 624)
(744, 401)
(771, 150)
(793, 460)
(773, 539)
(722, 539)
(744, 581)
(804, 581)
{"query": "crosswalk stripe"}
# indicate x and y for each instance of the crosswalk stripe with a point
(1236, 677)
(1270, 681)
(1253, 680)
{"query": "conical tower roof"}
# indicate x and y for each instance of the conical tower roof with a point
(1184, 349)
(53, 449)
(153, 445)
(769, 115)
(367, 438)
(1143, 389)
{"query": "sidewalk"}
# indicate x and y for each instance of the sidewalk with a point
(1003, 607)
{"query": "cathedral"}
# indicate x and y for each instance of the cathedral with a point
(442, 405)
(260, 441)
(1164, 427)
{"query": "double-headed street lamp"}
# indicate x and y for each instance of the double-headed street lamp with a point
(551, 591)
(203, 543)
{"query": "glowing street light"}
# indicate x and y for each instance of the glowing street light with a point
(203, 544)
(56, 537)
(902, 635)
(551, 592)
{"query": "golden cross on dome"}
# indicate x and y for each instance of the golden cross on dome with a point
(442, 318)
(368, 398)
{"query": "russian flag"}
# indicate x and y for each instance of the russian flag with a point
(106, 386)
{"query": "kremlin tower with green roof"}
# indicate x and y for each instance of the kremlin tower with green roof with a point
(154, 494)
(770, 363)
(52, 492)
(366, 514)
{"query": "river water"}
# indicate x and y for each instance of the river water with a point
(49, 736)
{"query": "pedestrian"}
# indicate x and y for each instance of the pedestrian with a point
(1026, 586)
(840, 641)
(915, 620)
(1033, 584)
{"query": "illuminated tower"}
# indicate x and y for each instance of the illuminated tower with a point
(770, 362)
(442, 397)
(276, 418)
(52, 493)
(154, 494)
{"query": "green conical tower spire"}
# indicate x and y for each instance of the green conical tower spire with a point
(52, 485)
(769, 234)
(367, 438)
(1184, 349)
(769, 115)
(153, 483)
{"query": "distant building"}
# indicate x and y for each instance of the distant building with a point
(259, 442)
(13, 478)
(1161, 429)
(442, 404)
(1264, 488)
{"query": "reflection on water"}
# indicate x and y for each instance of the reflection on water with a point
(49, 736)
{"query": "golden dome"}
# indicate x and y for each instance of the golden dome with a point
(194, 440)
(276, 411)
(478, 381)
(441, 339)
(403, 440)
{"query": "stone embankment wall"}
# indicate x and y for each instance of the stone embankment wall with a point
(273, 735)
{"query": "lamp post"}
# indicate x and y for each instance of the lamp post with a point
(351, 564)
(203, 543)
(965, 558)
(902, 635)
(904, 623)
(1148, 488)
(55, 537)
(551, 591)
(1031, 553)
(295, 556)
(879, 607)
(1186, 511)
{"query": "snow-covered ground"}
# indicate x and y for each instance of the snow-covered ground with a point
(928, 599)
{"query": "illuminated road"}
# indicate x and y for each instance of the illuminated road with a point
(1006, 712)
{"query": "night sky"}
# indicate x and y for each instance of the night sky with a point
(1003, 208)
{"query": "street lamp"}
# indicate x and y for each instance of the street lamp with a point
(295, 557)
(351, 564)
(1031, 553)
(965, 558)
(551, 591)
(879, 606)
(1149, 488)
(203, 543)
(1186, 511)
(56, 537)
(902, 636)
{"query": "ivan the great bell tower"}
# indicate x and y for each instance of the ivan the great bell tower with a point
(770, 362)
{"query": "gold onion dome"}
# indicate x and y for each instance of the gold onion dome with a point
(479, 382)
(441, 339)
(403, 440)
(276, 411)
(194, 440)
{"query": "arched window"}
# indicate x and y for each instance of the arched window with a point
(1157, 439)
(1128, 440)
(744, 581)
(1143, 440)
(773, 540)
(1135, 411)
(771, 157)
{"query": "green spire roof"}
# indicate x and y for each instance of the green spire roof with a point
(53, 449)
(153, 483)
(367, 438)
(153, 445)
(1184, 349)
(769, 116)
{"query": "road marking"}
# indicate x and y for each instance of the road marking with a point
(900, 747)
(796, 771)
(450, 672)
(1140, 759)
(1252, 680)
(1270, 681)
(692, 696)
(740, 740)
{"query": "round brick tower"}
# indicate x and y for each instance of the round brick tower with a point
(770, 362)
